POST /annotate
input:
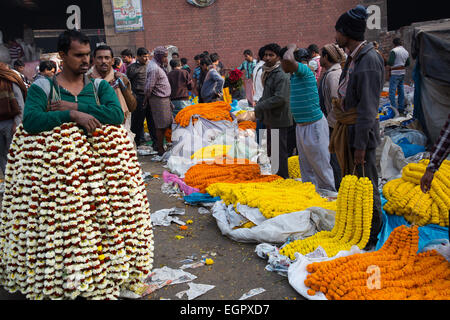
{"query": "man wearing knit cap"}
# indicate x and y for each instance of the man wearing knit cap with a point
(356, 134)
(157, 92)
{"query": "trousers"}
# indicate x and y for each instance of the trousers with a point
(137, 120)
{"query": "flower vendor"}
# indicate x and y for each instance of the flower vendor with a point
(273, 109)
(70, 96)
(75, 218)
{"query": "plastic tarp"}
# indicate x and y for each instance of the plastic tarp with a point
(297, 225)
(390, 159)
(431, 49)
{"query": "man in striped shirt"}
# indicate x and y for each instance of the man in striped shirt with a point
(312, 127)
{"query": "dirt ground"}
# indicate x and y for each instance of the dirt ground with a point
(236, 268)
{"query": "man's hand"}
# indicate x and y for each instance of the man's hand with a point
(359, 156)
(425, 182)
(62, 106)
(291, 46)
(90, 123)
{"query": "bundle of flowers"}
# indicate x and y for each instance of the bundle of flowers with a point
(233, 171)
(395, 272)
(75, 217)
(294, 168)
(214, 111)
(271, 198)
(235, 79)
(406, 199)
(244, 125)
(352, 222)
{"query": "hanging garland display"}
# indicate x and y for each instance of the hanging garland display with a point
(75, 217)
(352, 223)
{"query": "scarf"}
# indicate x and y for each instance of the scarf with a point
(10, 108)
(339, 138)
(267, 70)
(93, 73)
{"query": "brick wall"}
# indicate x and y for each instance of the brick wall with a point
(228, 27)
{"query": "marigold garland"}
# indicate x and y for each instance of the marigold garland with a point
(272, 198)
(202, 175)
(403, 274)
(352, 223)
(214, 111)
(405, 198)
(75, 217)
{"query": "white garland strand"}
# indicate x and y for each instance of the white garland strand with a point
(75, 217)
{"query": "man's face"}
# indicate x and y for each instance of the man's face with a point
(20, 68)
(49, 73)
(271, 58)
(165, 59)
(77, 58)
(204, 67)
(143, 59)
(197, 62)
(248, 57)
(127, 59)
(341, 40)
(103, 61)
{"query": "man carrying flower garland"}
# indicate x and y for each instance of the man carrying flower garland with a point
(70, 96)
(356, 134)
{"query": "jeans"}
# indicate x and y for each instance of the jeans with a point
(396, 84)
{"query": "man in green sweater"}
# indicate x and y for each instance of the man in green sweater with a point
(71, 96)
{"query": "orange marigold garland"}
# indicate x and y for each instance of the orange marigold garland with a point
(214, 111)
(204, 174)
(395, 272)
(244, 125)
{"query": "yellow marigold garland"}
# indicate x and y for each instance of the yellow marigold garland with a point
(402, 273)
(214, 111)
(271, 198)
(352, 223)
(294, 168)
(406, 199)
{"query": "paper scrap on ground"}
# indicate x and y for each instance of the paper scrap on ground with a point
(165, 217)
(146, 151)
(203, 210)
(195, 290)
(252, 293)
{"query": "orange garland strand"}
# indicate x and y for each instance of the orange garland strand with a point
(235, 171)
(244, 125)
(395, 272)
(214, 111)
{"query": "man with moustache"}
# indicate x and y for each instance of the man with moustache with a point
(71, 96)
(103, 69)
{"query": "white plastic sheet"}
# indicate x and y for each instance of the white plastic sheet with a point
(299, 225)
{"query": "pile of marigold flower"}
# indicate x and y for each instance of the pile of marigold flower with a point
(353, 221)
(395, 272)
(75, 217)
(233, 171)
(405, 198)
(214, 111)
(272, 198)
(245, 125)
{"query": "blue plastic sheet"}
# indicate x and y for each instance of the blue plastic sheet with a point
(197, 198)
(410, 149)
(428, 234)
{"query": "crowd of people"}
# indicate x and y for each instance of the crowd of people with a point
(320, 103)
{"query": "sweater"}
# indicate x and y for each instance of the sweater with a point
(37, 119)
